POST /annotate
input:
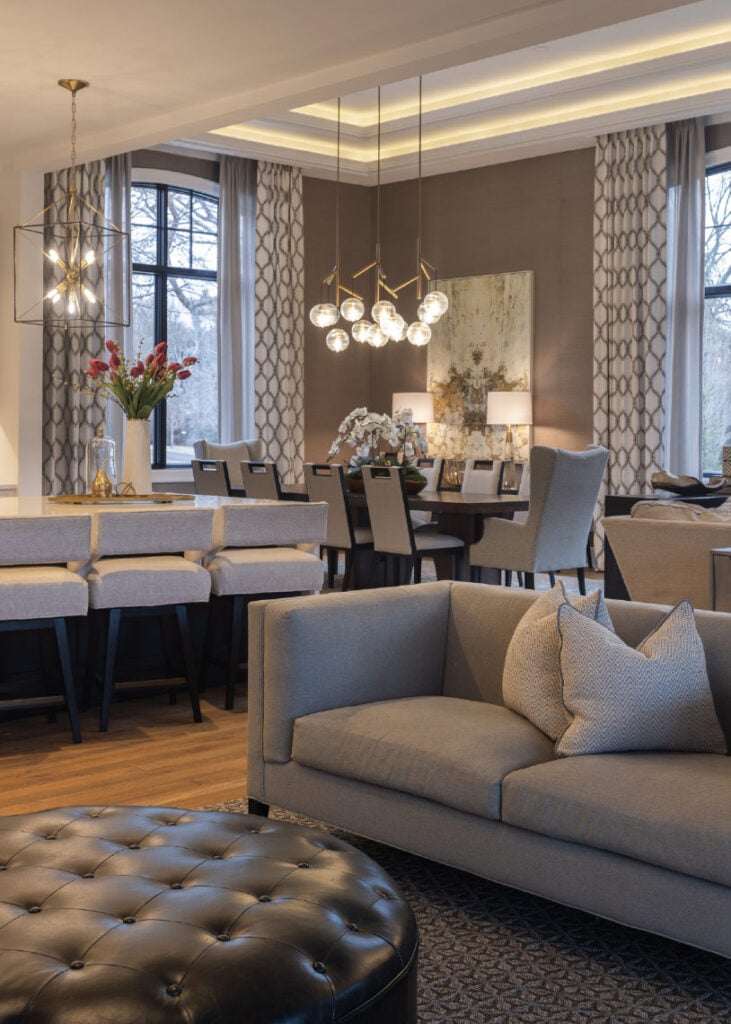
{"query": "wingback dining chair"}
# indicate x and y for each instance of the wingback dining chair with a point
(393, 533)
(325, 482)
(232, 454)
(261, 480)
(481, 476)
(564, 486)
(210, 476)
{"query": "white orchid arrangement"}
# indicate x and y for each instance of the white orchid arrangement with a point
(364, 431)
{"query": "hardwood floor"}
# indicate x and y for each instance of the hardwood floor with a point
(153, 754)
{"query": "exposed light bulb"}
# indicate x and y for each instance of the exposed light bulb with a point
(381, 309)
(324, 314)
(352, 309)
(53, 294)
(360, 330)
(90, 256)
(72, 307)
(337, 340)
(428, 316)
(392, 325)
(419, 333)
(436, 302)
(376, 337)
(53, 255)
(89, 295)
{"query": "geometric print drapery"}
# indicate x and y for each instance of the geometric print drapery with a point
(70, 417)
(630, 306)
(279, 351)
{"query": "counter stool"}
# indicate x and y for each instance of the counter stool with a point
(240, 571)
(157, 580)
(35, 593)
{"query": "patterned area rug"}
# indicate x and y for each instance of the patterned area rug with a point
(492, 955)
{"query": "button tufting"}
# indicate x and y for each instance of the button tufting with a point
(76, 965)
(34, 910)
(352, 927)
(174, 990)
(89, 874)
(303, 864)
(217, 856)
(384, 895)
(50, 837)
(3, 867)
(265, 899)
(176, 885)
(129, 920)
(134, 846)
(254, 831)
(223, 937)
(319, 967)
(172, 823)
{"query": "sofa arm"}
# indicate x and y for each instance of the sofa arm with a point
(310, 654)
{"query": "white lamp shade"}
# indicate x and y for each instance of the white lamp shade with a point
(421, 404)
(509, 408)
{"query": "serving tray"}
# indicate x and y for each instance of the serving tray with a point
(158, 498)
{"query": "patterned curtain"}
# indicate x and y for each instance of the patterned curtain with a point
(630, 276)
(279, 320)
(70, 418)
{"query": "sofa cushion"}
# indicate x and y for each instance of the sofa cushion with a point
(667, 809)
(531, 675)
(654, 697)
(455, 752)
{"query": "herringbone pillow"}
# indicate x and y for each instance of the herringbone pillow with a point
(531, 675)
(655, 697)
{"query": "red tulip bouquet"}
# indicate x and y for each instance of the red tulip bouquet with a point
(137, 386)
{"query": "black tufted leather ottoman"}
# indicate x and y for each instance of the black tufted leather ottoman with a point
(149, 915)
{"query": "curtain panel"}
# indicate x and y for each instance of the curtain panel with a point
(279, 319)
(630, 312)
(70, 416)
(118, 277)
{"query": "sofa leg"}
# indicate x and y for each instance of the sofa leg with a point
(581, 577)
(530, 581)
(257, 807)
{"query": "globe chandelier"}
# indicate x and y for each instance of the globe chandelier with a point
(386, 323)
(73, 237)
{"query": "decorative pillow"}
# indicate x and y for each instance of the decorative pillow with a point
(531, 675)
(684, 511)
(656, 697)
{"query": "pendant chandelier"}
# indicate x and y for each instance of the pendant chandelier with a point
(387, 324)
(73, 237)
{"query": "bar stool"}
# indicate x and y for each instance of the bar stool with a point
(325, 482)
(261, 480)
(141, 571)
(38, 593)
(243, 567)
(210, 476)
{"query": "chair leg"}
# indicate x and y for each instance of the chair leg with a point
(207, 643)
(348, 569)
(417, 570)
(235, 634)
(110, 656)
(508, 577)
(581, 577)
(181, 613)
(521, 581)
(62, 640)
(552, 578)
(332, 566)
(257, 807)
(530, 581)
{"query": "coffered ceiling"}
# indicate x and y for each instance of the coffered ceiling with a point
(503, 78)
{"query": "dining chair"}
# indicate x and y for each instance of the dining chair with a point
(261, 480)
(210, 476)
(431, 468)
(481, 476)
(39, 592)
(393, 533)
(254, 556)
(564, 489)
(232, 454)
(326, 482)
(140, 570)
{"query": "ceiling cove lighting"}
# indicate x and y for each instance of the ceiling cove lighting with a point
(386, 323)
(73, 237)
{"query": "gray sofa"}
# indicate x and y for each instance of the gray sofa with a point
(380, 712)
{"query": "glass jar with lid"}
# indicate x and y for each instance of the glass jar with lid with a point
(101, 467)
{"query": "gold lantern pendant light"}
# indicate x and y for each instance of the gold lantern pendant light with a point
(74, 237)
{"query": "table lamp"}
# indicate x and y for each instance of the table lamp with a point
(421, 404)
(511, 408)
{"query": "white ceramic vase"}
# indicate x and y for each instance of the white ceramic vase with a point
(137, 465)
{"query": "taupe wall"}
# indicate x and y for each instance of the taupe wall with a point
(529, 215)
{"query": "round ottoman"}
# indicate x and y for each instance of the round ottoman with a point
(144, 915)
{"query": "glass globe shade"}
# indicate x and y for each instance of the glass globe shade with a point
(392, 326)
(360, 330)
(352, 309)
(337, 340)
(381, 309)
(324, 314)
(436, 302)
(428, 316)
(419, 333)
(376, 337)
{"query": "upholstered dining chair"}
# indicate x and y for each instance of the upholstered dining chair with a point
(564, 486)
(431, 468)
(232, 454)
(261, 480)
(326, 482)
(38, 591)
(252, 557)
(140, 570)
(210, 476)
(481, 476)
(393, 533)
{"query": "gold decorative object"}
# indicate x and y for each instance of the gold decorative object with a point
(156, 498)
(101, 469)
(102, 486)
(74, 249)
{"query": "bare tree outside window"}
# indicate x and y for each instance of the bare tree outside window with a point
(716, 399)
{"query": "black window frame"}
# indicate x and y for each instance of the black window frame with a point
(160, 272)
(713, 291)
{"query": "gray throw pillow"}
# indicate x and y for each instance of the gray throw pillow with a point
(655, 697)
(531, 674)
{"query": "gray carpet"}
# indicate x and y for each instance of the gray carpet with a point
(491, 954)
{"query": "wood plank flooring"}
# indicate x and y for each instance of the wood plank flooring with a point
(153, 754)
